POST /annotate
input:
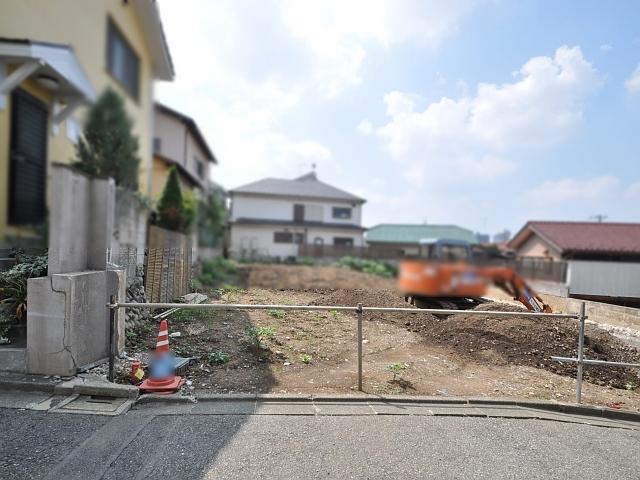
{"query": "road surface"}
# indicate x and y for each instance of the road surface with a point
(168, 442)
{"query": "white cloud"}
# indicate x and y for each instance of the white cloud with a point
(633, 191)
(471, 137)
(632, 83)
(606, 47)
(337, 33)
(365, 127)
(245, 69)
(573, 189)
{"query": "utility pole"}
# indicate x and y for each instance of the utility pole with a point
(599, 217)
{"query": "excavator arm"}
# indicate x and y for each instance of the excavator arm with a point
(516, 286)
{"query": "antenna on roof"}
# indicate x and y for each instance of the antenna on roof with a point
(599, 217)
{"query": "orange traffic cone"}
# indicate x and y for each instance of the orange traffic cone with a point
(162, 378)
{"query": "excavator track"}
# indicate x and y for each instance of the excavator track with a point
(446, 303)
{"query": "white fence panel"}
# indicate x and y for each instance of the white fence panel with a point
(611, 279)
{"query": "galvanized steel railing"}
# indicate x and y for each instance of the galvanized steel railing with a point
(359, 310)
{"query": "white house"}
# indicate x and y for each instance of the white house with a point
(270, 218)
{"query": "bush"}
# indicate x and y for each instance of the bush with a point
(308, 261)
(13, 289)
(217, 269)
(367, 266)
(175, 211)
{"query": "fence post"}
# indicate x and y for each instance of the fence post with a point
(112, 331)
(359, 311)
(581, 320)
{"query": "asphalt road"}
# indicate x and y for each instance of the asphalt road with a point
(163, 443)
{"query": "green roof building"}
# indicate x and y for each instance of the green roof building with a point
(406, 237)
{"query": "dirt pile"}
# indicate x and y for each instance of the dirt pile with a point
(528, 341)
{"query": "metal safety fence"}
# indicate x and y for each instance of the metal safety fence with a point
(359, 310)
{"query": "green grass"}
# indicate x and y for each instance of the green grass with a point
(276, 313)
(219, 357)
(396, 369)
(257, 335)
(373, 267)
(306, 358)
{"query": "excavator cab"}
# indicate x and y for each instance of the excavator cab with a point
(447, 250)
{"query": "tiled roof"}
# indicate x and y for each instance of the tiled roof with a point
(412, 234)
(584, 236)
(305, 186)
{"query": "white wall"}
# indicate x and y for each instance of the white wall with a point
(251, 241)
(175, 146)
(260, 207)
(611, 279)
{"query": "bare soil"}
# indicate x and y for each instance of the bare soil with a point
(313, 352)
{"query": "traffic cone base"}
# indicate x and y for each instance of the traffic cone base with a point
(167, 385)
(162, 377)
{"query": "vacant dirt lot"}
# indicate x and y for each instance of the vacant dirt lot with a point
(307, 351)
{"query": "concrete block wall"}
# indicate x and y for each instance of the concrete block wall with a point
(81, 221)
(68, 322)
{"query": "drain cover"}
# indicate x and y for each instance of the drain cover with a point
(93, 404)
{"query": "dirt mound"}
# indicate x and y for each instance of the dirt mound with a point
(528, 341)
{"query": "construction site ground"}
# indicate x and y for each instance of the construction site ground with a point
(316, 352)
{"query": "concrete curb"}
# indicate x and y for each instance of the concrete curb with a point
(70, 387)
(27, 386)
(98, 388)
(174, 398)
(552, 406)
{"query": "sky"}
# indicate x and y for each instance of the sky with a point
(483, 114)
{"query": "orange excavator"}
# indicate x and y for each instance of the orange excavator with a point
(443, 276)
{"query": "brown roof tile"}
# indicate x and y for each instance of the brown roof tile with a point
(584, 236)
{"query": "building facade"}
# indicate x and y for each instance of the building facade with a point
(272, 217)
(399, 240)
(55, 59)
(178, 141)
(602, 259)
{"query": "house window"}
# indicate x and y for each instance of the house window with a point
(288, 237)
(122, 62)
(343, 241)
(282, 237)
(343, 213)
(199, 167)
(157, 144)
(298, 213)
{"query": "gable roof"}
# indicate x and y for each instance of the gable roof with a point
(307, 185)
(191, 124)
(413, 233)
(586, 237)
(153, 31)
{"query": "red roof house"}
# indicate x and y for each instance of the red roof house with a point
(578, 240)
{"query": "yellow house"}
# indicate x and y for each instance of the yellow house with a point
(178, 141)
(55, 59)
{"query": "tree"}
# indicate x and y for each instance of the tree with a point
(212, 214)
(175, 211)
(107, 147)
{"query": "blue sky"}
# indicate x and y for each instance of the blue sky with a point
(483, 114)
